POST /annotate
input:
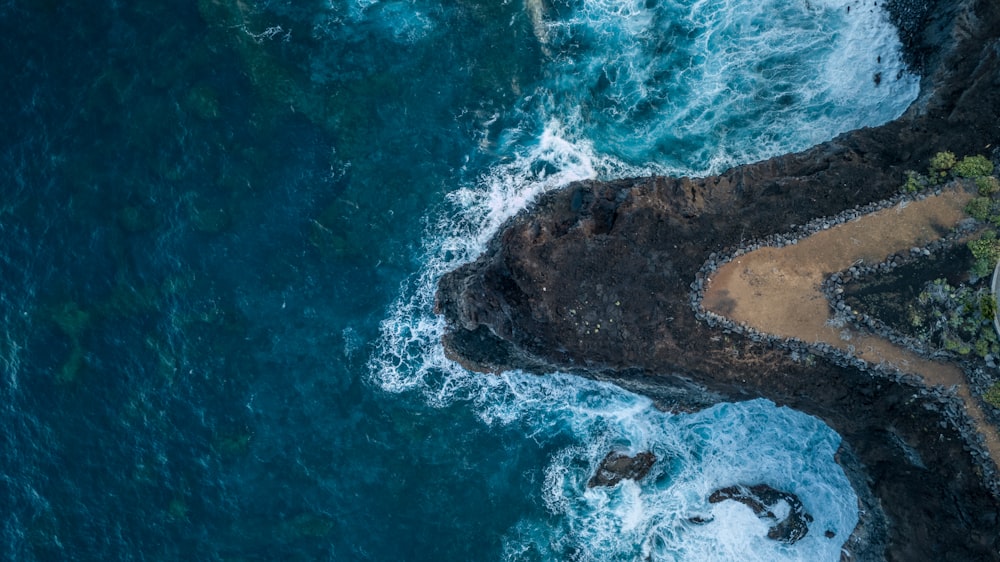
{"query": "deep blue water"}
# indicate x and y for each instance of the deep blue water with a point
(221, 223)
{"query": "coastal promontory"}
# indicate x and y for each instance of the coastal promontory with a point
(608, 280)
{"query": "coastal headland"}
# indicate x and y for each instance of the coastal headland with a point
(614, 280)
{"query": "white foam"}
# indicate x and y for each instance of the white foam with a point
(725, 445)
(410, 351)
(401, 21)
(730, 444)
(702, 86)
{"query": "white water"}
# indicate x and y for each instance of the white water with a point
(752, 442)
(768, 77)
(701, 86)
(729, 444)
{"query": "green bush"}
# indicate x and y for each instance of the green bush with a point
(987, 247)
(914, 182)
(983, 268)
(987, 185)
(979, 208)
(986, 251)
(940, 164)
(988, 306)
(982, 348)
(973, 167)
(992, 395)
(956, 319)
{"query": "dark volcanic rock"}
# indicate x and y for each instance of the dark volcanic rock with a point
(618, 466)
(595, 279)
(910, 18)
(763, 500)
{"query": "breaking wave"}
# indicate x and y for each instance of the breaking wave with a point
(636, 88)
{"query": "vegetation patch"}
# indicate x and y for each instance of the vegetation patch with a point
(992, 395)
(986, 252)
(973, 171)
(944, 167)
(956, 319)
(940, 164)
(973, 167)
(987, 185)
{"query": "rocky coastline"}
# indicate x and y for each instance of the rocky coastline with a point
(942, 400)
(605, 279)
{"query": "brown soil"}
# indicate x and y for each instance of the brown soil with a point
(778, 290)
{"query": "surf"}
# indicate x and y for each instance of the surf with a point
(633, 89)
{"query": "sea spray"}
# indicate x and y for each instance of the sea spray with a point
(667, 516)
(701, 86)
(219, 410)
(633, 88)
(698, 453)
(410, 346)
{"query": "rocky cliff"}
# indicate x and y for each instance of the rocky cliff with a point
(595, 278)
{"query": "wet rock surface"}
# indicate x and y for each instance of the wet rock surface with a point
(598, 278)
(618, 466)
(764, 501)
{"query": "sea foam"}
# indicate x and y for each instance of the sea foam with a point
(681, 88)
(699, 86)
(748, 443)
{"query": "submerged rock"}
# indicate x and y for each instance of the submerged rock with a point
(618, 466)
(763, 500)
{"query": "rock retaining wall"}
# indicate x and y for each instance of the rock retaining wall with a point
(934, 398)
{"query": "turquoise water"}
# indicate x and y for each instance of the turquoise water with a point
(222, 224)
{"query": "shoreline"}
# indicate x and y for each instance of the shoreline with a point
(599, 278)
(951, 404)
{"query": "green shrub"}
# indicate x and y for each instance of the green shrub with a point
(983, 268)
(987, 247)
(992, 395)
(973, 167)
(979, 208)
(956, 319)
(986, 252)
(913, 183)
(988, 306)
(940, 164)
(987, 185)
(982, 348)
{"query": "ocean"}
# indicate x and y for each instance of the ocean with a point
(221, 227)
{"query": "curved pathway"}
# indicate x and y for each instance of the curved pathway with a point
(779, 290)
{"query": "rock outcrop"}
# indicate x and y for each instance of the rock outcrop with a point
(764, 500)
(595, 278)
(618, 466)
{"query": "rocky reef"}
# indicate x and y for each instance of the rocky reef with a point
(618, 466)
(596, 278)
(763, 501)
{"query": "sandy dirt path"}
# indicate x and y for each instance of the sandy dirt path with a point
(778, 290)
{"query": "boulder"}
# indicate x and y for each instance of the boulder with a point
(618, 466)
(763, 500)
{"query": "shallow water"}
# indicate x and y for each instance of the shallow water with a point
(222, 227)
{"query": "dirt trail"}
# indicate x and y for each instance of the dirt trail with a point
(778, 290)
